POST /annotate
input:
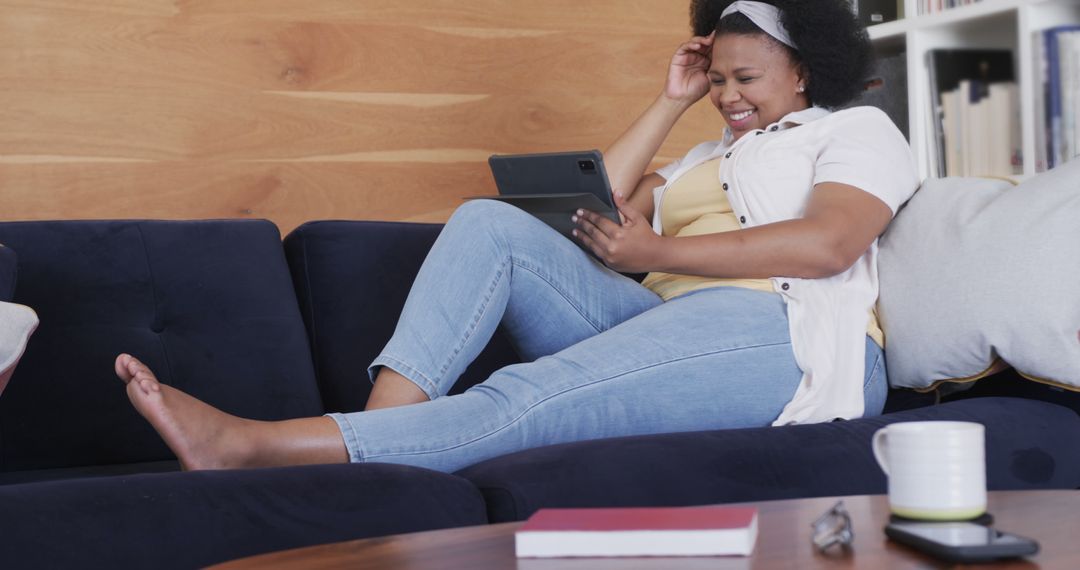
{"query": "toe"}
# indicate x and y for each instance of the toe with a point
(147, 381)
(121, 367)
(136, 367)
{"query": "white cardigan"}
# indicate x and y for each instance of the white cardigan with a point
(770, 174)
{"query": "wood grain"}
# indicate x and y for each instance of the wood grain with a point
(296, 111)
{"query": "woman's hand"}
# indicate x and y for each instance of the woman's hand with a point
(632, 247)
(688, 78)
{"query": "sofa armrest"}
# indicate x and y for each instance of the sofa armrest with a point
(351, 280)
(1029, 444)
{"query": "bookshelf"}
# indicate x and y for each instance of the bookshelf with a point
(1005, 24)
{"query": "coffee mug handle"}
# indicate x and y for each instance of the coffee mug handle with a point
(878, 445)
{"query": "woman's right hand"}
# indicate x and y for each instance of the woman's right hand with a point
(688, 78)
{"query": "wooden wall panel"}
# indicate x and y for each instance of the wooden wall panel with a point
(367, 109)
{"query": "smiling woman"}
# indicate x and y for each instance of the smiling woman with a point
(761, 254)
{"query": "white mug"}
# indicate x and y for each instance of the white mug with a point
(936, 470)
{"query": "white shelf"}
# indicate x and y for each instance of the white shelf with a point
(987, 24)
(893, 29)
(968, 13)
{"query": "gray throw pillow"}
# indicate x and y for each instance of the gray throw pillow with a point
(16, 325)
(975, 270)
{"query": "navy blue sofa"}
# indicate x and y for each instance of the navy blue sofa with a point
(274, 329)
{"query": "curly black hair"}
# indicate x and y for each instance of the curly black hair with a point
(833, 47)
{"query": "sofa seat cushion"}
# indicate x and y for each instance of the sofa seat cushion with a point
(192, 519)
(209, 305)
(1029, 444)
(352, 279)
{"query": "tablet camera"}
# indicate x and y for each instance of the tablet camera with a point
(587, 166)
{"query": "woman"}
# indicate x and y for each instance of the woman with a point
(756, 310)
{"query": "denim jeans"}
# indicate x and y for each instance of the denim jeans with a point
(603, 356)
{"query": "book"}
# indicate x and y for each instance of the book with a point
(952, 125)
(1054, 88)
(1010, 128)
(644, 531)
(1069, 64)
(1042, 142)
(967, 96)
(981, 129)
(1075, 92)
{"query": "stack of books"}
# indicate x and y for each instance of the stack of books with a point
(981, 129)
(933, 6)
(974, 113)
(1057, 95)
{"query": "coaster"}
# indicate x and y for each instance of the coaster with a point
(985, 519)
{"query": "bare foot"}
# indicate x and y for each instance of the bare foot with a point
(201, 436)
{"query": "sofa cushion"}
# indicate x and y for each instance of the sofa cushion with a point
(208, 305)
(352, 279)
(190, 520)
(976, 269)
(1029, 445)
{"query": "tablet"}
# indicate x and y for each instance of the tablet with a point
(552, 186)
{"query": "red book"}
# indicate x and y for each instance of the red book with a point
(649, 531)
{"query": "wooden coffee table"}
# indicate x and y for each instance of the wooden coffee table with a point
(1050, 517)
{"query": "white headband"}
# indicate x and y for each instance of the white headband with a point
(764, 16)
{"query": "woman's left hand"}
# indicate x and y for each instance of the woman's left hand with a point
(632, 247)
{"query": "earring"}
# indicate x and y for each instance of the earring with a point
(800, 89)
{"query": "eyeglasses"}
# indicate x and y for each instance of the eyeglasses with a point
(833, 527)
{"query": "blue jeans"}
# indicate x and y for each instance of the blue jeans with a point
(603, 356)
